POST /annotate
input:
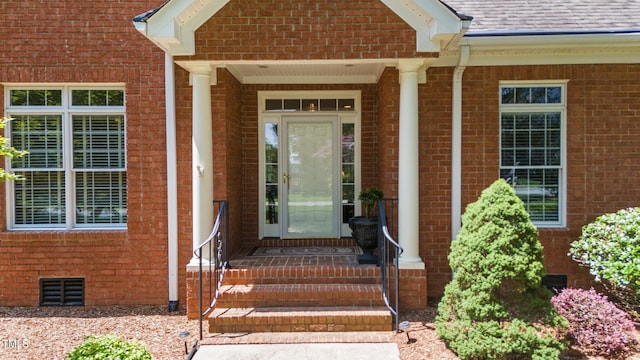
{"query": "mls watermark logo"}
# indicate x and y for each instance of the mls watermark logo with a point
(14, 344)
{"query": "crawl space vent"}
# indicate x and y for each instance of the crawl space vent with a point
(62, 292)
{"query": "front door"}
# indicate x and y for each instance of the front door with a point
(310, 177)
(309, 167)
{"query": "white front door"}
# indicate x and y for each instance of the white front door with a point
(309, 165)
(310, 177)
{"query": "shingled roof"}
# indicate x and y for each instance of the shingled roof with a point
(544, 16)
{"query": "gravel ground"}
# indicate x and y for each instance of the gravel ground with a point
(50, 333)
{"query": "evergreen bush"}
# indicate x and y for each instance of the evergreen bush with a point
(109, 348)
(596, 325)
(495, 307)
(610, 248)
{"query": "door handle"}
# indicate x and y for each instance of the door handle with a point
(284, 177)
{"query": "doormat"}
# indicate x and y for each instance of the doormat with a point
(305, 251)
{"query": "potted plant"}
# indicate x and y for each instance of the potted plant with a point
(364, 229)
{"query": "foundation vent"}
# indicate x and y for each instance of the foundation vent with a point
(62, 292)
(555, 282)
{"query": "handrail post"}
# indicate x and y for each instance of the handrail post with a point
(385, 241)
(218, 263)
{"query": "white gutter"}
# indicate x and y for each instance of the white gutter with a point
(456, 143)
(172, 181)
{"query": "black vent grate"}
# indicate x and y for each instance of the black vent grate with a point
(555, 282)
(62, 292)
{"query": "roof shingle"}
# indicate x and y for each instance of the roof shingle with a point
(506, 16)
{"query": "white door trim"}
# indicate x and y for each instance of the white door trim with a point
(275, 117)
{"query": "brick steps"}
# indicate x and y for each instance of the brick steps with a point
(289, 295)
(301, 294)
(339, 274)
(300, 319)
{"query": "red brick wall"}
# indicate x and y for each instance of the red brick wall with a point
(93, 42)
(435, 176)
(286, 30)
(602, 156)
(388, 105)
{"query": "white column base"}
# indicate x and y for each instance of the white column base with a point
(194, 264)
(412, 263)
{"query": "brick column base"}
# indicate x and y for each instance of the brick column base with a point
(413, 289)
(193, 291)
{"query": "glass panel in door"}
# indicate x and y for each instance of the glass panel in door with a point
(310, 179)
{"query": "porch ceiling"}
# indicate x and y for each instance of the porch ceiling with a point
(300, 72)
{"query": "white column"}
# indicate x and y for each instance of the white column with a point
(408, 166)
(202, 156)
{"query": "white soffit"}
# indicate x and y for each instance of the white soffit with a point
(301, 72)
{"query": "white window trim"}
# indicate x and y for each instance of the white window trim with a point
(528, 108)
(66, 110)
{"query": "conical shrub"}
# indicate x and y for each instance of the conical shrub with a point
(495, 307)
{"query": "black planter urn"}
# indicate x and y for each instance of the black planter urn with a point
(364, 231)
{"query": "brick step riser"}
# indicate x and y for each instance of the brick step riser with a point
(300, 295)
(307, 242)
(300, 276)
(245, 303)
(291, 281)
(302, 324)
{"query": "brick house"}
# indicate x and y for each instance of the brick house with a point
(133, 129)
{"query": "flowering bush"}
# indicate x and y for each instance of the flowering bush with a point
(610, 248)
(596, 325)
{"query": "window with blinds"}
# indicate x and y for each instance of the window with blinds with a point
(532, 148)
(75, 171)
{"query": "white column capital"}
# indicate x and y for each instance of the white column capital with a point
(200, 68)
(418, 66)
(410, 65)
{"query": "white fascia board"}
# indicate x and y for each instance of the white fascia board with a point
(431, 20)
(548, 50)
(446, 22)
(173, 27)
(551, 40)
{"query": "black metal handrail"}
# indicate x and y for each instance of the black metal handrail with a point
(389, 254)
(218, 264)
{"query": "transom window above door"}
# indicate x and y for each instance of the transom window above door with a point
(310, 104)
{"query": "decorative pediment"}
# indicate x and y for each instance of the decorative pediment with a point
(172, 27)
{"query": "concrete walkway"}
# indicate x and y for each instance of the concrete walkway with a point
(327, 351)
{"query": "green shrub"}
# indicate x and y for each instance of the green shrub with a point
(495, 307)
(109, 348)
(610, 248)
